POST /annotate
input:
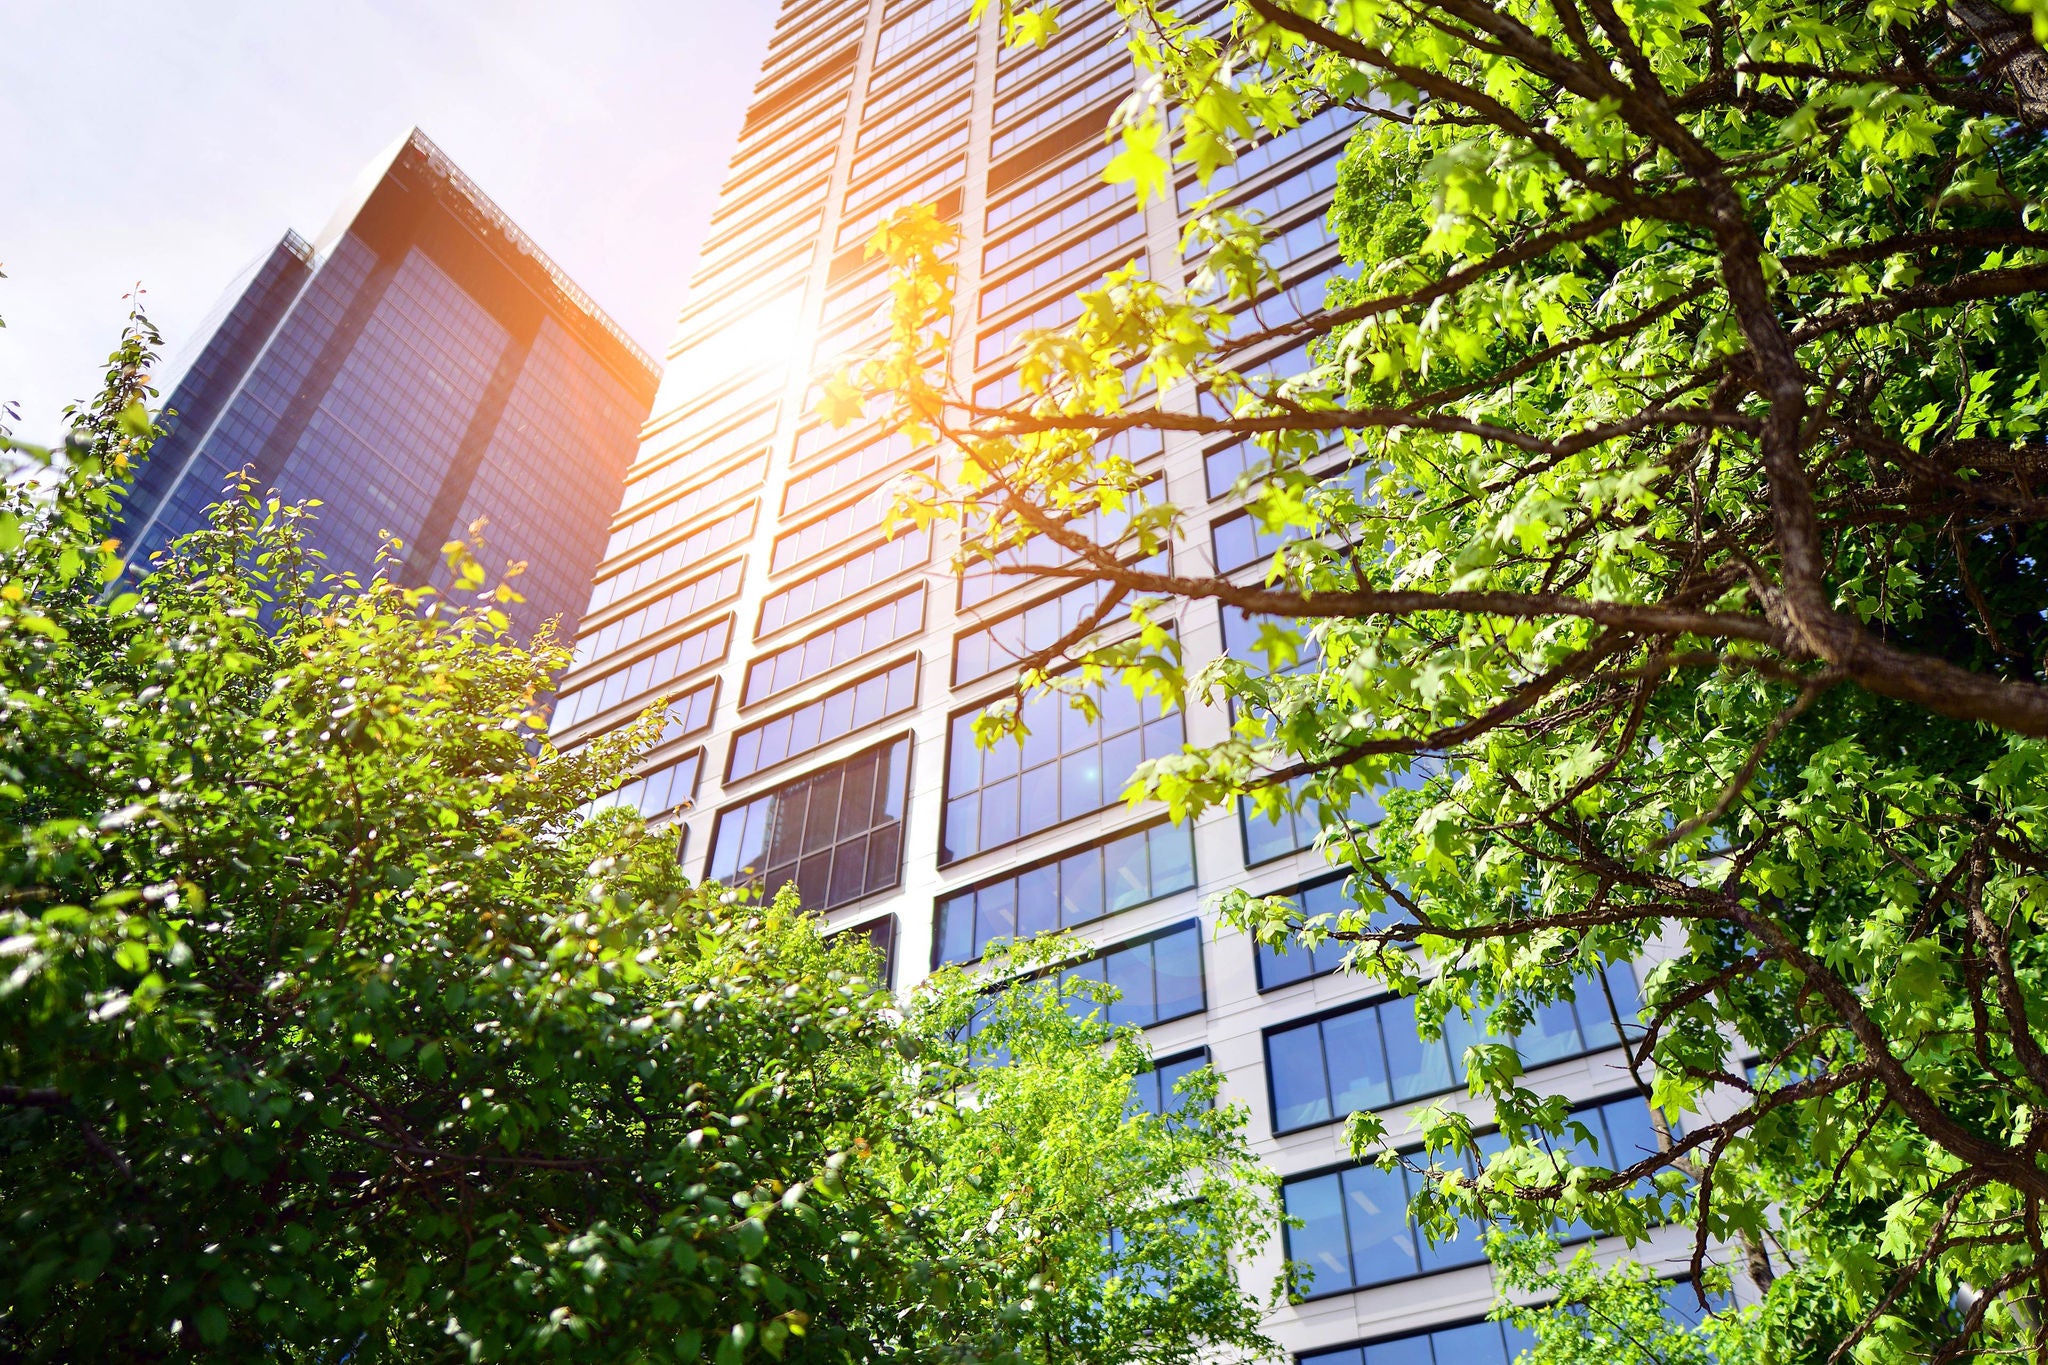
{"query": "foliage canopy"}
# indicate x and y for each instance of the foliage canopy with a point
(1657, 494)
(330, 1029)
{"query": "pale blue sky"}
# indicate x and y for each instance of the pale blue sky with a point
(171, 142)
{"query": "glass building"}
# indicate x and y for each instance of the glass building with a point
(824, 676)
(419, 367)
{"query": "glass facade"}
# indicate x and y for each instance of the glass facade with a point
(1371, 1056)
(1355, 1231)
(837, 834)
(426, 374)
(840, 753)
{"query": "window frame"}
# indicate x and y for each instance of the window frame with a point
(946, 795)
(1049, 860)
(1409, 1149)
(746, 676)
(914, 659)
(880, 747)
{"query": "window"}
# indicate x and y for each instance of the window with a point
(1292, 192)
(1355, 1231)
(875, 153)
(1307, 815)
(1086, 170)
(835, 715)
(1153, 1092)
(1112, 84)
(657, 793)
(837, 834)
(901, 33)
(688, 715)
(982, 579)
(1279, 967)
(874, 629)
(1159, 977)
(702, 646)
(1003, 643)
(691, 712)
(1222, 466)
(1238, 540)
(932, 188)
(1241, 630)
(1088, 208)
(991, 347)
(1067, 766)
(865, 514)
(1274, 150)
(844, 472)
(879, 188)
(880, 933)
(1475, 1343)
(723, 491)
(691, 549)
(1062, 893)
(1015, 65)
(1370, 1056)
(1125, 235)
(833, 586)
(918, 106)
(692, 597)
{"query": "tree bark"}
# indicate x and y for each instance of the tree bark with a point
(2008, 40)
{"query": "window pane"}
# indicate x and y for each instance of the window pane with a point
(997, 914)
(849, 872)
(1358, 1070)
(885, 857)
(1038, 799)
(1125, 871)
(1415, 1067)
(836, 850)
(1172, 852)
(1413, 1350)
(1130, 972)
(1477, 1343)
(1081, 887)
(1294, 1065)
(1382, 1245)
(1177, 960)
(1172, 1073)
(1038, 903)
(956, 928)
(1071, 765)
(1320, 1241)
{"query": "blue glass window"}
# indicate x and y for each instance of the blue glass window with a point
(1074, 889)
(1369, 1056)
(837, 833)
(1292, 962)
(1153, 1092)
(1355, 1231)
(1068, 765)
(838, 713)
(1474, 1343)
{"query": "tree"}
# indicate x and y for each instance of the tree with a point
(330, 1028)
(1660, 500)
(1102, 1233)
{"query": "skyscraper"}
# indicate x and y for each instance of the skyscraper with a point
(420, 366)
(825, 677)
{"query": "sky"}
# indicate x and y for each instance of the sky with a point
(171, 143)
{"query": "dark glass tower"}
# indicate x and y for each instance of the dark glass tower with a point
(421, 366)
